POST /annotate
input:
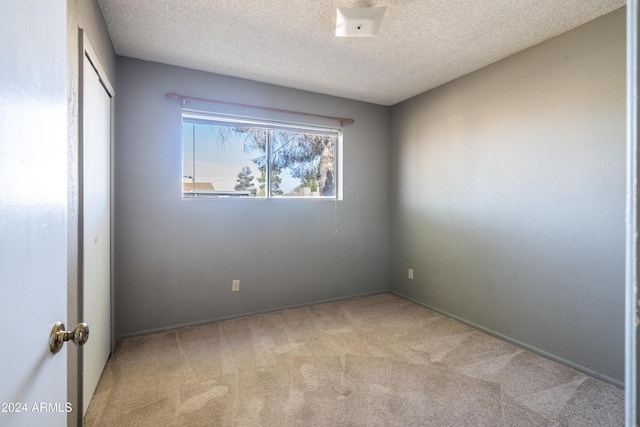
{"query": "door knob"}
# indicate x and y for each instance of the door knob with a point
(79, 336)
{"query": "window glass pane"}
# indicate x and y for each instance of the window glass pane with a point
(217, 162)
(302, 164)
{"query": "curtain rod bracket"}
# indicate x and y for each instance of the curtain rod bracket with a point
(183, 100)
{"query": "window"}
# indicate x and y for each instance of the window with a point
(225, 156)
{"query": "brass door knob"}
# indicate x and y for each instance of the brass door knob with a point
(79, 336)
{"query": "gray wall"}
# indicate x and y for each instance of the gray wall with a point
(508, 197)
(176, 259)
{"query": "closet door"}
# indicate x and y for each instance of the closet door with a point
(96, 225)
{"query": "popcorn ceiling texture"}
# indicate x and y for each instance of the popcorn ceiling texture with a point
(422, 43)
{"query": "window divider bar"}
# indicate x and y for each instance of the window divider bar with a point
(267, 181)
(183, 99)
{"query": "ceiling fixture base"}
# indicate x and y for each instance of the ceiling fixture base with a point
(359, 21)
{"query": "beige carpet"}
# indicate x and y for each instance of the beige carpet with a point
(373, 361)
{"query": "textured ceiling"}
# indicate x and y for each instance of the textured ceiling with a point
(422, 43)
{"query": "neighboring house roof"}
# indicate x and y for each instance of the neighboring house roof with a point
(197, 186)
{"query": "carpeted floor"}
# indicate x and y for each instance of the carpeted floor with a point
(373, 361)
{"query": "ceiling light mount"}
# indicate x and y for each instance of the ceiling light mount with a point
(359, 20)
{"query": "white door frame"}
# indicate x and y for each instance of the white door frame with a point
(632, 249)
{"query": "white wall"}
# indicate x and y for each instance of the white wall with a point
(508, 197)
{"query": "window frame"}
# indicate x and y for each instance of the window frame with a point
(232, 120)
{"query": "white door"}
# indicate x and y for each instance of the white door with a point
(33, 211)
(96, 222)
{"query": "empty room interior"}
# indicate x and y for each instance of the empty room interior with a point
(477, 186)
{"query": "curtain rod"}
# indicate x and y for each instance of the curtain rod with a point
(183, 99)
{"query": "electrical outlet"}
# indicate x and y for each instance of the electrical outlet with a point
(235, 286)
(410, 274)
